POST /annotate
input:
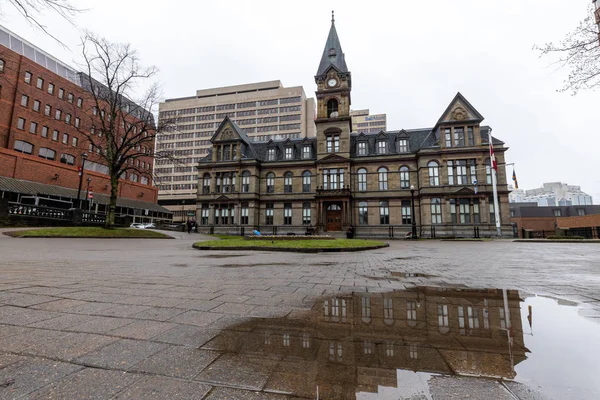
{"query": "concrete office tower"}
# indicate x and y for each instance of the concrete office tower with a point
(264, 111)
(364, 122)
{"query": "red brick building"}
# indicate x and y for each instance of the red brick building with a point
(44, 107)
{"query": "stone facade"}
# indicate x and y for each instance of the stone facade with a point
(367, 181)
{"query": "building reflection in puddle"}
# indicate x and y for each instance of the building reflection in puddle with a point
(355, 343)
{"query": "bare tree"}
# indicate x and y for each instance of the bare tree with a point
(579, 51)
(120, 131)
(33, 10)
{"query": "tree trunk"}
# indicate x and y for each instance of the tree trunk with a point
(109, 223)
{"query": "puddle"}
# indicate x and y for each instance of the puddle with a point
(411, 275)
(390, 345)
(222, 255)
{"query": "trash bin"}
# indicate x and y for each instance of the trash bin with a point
(350, 232)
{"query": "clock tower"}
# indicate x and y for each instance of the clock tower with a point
(334, 83)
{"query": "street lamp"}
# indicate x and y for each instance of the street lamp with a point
(83, 158)
(414, 220)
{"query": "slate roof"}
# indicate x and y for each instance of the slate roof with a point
(35, 188)
(332, 54)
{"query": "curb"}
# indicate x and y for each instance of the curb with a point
(83, 237)
(293, 250)
(597, 241)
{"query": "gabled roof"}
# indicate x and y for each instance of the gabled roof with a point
(333, 56)
(460, 109)
(238, 133)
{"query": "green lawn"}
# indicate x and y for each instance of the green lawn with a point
(89, 231)
(237, 241)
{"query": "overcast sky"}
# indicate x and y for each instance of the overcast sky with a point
(408, 59)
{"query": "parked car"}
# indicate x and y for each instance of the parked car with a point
(150, 226)
(137, 226)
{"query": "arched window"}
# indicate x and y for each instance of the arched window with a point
(306, 177)
(23, 147)
(383, 178)
(245, 181)
(47, 153)
(404, 177)
(287, 182)
(67, 159)
(363, 213)
(270, 182)
(362, 180)
(434, 173)
(332, 107)
(206, 183)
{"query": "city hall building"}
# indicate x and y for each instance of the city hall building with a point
(340, 178)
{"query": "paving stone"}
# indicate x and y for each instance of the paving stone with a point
(231, 298)
(121, 354)
(201, 305)
(23, 299)
(177, 362)
(198, 318)
(11, 315)
(221, 393)
(142, 329)
(59, 305)
(161, 388)
(123, 310)
(186, 335)
(239, 371)
(234, 308)
(159, 313)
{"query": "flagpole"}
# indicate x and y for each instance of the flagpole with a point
(494, 167)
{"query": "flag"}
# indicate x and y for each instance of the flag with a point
(493, 162)
(514, 178)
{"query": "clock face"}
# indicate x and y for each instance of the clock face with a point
(332, 82)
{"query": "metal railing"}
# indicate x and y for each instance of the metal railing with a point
(28, 210)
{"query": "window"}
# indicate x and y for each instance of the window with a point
(133, 177)
(557, 213)
(28, 77)
(434, 173)
(332, 107)
(271, 154)
(363, 213)
(244, 214)
(55, 135)
(411, 313)
(443, 317)
(70, 98)
(24, 100)
(361, 149)
(366, 309)
(77, 122)
(388, 310)
(269, 214)
(21, 123)
(306, 175)
(289, 153)
(382, 174)
(36, 105)
(436, 211)
(23, 147)
(47, 110)
(1, 65)
(246, 182)
(476, 218)
(448, 136)
(287, 214)
(68, 118)
(362, 180)
(287, 182)
(305, 341)
(61, 93)
(306, 213)
(405, 210)
(488, 171)
(51, 88)
(33, 127)
(581, 212)
(404, 177)
(79, 102)
(40, 83)
(457, 172)
(44, 131)
(470, 136)
(384, 212)
(204, 213)
(47, 153)
(270, 182)
(74, 141)
(67, 159)
(57, 114)
(402, 145)
(459, 137)
(473, 317)
(333, 143)
(333, 179)
(306, 151)
(381, 147)
(65, 138)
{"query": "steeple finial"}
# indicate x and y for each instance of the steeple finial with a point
(332, 18)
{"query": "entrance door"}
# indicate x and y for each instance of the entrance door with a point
(334, 218)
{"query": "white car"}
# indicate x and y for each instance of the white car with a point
(137, 226)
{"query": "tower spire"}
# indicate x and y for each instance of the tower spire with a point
(332, 18)
(333, 56)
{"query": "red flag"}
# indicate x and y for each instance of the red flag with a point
(493, 162)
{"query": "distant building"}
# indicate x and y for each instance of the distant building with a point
(552, 194)
(363, 122)
(531, 221)
(264, 111)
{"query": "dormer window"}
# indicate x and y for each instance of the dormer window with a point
(361, 149)
(381, 147)
(332, 108)
(459, 137)
(402, 145)
(271, 154)
(333, 143)
(289, 153)
(306, 151)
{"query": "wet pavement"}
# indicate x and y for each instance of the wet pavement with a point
(112, 319)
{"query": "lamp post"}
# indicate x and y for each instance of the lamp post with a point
(83, 158)
(87, 193)
(414, 221)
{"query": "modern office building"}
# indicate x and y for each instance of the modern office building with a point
(340, 179)
(552, 194)
(44, 107)
(263, 111)
(363, 122)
